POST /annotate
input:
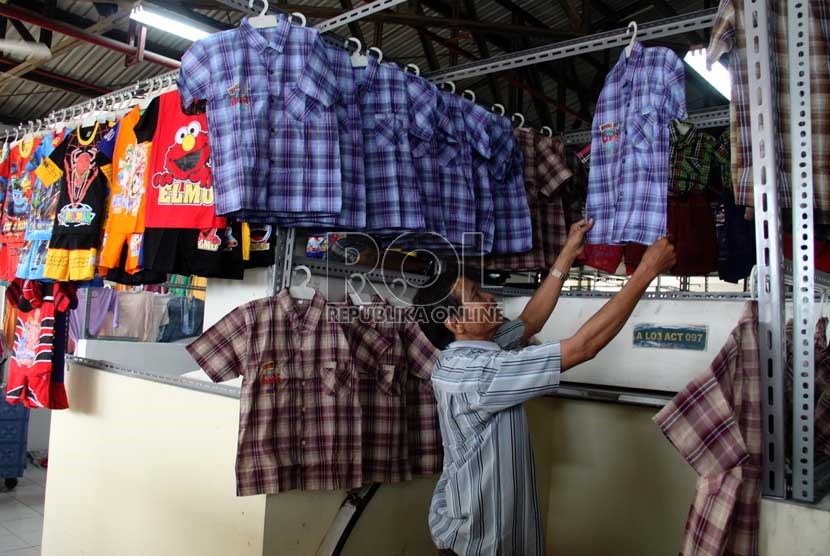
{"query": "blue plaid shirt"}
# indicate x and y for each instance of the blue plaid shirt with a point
(512, 226)
(480, 123)
(275, 151)
(628, 181)
(393, 199)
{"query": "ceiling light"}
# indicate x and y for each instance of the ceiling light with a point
(170, 22)
(718, 76)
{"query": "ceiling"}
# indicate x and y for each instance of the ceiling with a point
(434, 34)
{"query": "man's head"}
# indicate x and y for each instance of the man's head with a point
(456, 308)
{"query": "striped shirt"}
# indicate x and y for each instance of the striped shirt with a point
(485, 501)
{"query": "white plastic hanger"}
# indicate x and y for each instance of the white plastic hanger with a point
(468, 94)
(357, 59)
(632, 28)
(5, 141)
(263, 20)
(501, 111)
(377, 51)
(355, 295)
(519, 116)
(299, 16)
(398, 299)
(414, 67)
(546, 131)
(303, 292)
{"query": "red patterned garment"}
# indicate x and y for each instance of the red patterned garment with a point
(715, 424)
(299, 417)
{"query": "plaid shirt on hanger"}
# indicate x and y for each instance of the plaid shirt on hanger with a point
(299, 417)
(716, 425)
(692, 154)
(630, 147)
(275, 153)
(512, 225)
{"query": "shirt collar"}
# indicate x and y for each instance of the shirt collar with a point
(677, 137)
(636, 53)
(303, 322)
(278, 35)
(474, 344)
(365, 77)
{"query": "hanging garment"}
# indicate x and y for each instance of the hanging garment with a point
(83, 171)
(716, 425)
(399, 420)
(544, 172)
(213, 253)
(124, 226)
(263, 245)
(512, 224)
(180, 186)
(628, 180)
(184, 319)
(31, 365)
(268, 161)
(103, 307)
(300, 418)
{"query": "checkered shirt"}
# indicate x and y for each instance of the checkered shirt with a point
(273, 127)
(512, 225)
(630, 148)
(574, 190)
(299, 419)
(715, 423)
(479, 123)
(544, 172)
(394, 364)
(691, 157)
(393, 199)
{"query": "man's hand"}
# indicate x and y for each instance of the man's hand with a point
(576, 238)
(659, 257)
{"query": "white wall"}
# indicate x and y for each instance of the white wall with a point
(139, 468)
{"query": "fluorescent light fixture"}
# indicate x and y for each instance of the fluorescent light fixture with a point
(170, 22)
(718, 76)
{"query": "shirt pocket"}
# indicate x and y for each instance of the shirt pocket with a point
(644, 128)
(337, 377)
(303, 107)
(388, 129)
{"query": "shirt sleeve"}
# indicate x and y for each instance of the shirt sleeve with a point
(421, 355)
(551, 167)
(106, 145)
(510, 378)
(676, 87)
(145, 128)
(723, 33)
(222, 350)
(422, 98)
(701, 425)
(316, 85)
(511, 334)
(194, 74)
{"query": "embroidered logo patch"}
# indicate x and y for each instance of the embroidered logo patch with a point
(237, 95)
(609, 132)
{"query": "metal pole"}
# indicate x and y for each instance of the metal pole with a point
(804, 365)
(768, 245)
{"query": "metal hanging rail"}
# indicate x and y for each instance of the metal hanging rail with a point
(702, 19)
(768, 246)
(716, 117)
(356, 14)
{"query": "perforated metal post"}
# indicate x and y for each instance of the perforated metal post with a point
(798, 46)
(357, 13)
(768, 246)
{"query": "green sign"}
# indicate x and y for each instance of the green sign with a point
(667, 336)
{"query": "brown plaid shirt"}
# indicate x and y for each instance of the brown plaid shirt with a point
(544, 172)
(715, 424)
(394, 361)
(299, 419)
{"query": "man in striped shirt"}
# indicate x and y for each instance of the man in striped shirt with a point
(485, 502)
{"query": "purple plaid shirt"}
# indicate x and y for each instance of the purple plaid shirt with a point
(716, 425)
(479, 124)
(512, 231)
(275, 152)
(393, 200)
(299, 416)
(630, 150)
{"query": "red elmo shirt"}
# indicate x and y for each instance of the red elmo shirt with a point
(179, 179)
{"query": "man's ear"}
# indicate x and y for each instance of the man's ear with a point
(454, 326)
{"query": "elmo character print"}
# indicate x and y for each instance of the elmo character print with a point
(186, 178)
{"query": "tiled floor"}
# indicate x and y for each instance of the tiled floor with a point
(21, 514)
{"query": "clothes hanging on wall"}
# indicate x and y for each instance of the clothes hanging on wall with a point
(303, 422)
(715, 423)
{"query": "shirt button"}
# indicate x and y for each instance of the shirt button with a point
(302, 443)
(273, 130)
